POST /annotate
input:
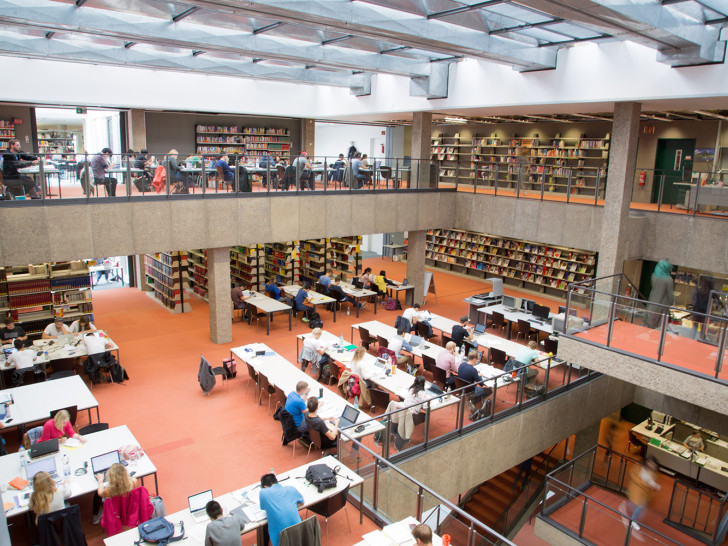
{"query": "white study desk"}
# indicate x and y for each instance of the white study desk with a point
(316, 298)
(398, 533)
(48, 170)
(514, 316)
(408, 289)
(97, 443)
(34, 403)
(377, 328)
(486, 340)
(269, 306)
(284, 375)
(358, 294)
(248, 498)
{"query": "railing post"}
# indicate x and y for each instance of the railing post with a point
(610, 326)
(128, 175)
(697, 193)
(203, 181)
(518, 182)
(495, 182)
(375, 485)
(596, 186)
(89, 182)
(41, 178)
(325, 176)
(167, 173)
(663, 330)
(418, 517)
(721, 350)
(427, 425)
(387, 434)
(660, 190)
(582, 520)
(568, 185)
(543, 183)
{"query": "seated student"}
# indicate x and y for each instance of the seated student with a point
(83, 324)
(59, 427)
(397, 344)
(381, 282)
(469, 374)
(302, 299)
(694, 442)
(336, 292)
(46, 496)
(120, 484)
(281, 505)
(416, 394)
(236, 293)
(524, 357)
(422, 535)
(304, 169)
(23, 357)
(176, 173)
(368, 278)
(314, 351)
(359, 367)
(227, 172)
(412, 314)
(461, 332)
(222, 531)
(13, 159)
(325, 280)
(446, 361)
(296, 406)
(337, 169)
(328, 436)
(267, 162)
(273, 289)
(95, 344)
(55, 329)
(359, 176)
(11, 332)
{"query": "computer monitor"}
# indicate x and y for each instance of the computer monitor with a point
(562, 310)
(509, 301)
(527, 305)
(541, 311)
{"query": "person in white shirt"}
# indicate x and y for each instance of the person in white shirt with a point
(313, 343)
(55, 329)
(95, 344)
(412, 314)
(362, 369)
(22, 358)
(416, 394)
(82, 325)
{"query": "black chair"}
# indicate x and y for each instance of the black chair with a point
(253, 376)
(379, 398)
(64, 364)
(265, 388)
(304, 533)
(460, 383)
(316, 442)
(423, 330)
(383, 342)
(64, 523)
(95, 427)
(439, 376)
(72, 412)
(28, 376)
(429, 363)
(290, 430)
(524, 329)
(61, 375)
(329, 507)
(550, 346)
(366, 339)
(498, 321)
(222, 373)
(497, 357)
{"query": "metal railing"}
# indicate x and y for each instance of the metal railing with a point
(698, 513)
(565, 493)
(604, 310)
(690, 191)
(388, 494)
(510, 397)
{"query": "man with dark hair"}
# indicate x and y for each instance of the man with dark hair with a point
(11, 331)
(469, 374)
(422, 535)
(281, 505)
(336, 292)
(302, 299)
(14, 159)
(397, 344)
(222, 531)
(461, 332)
(99, 164)
(313, 421)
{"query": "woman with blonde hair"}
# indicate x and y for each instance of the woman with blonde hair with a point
(362, 369)
(59, 427)
(120, 483)
(46, 497)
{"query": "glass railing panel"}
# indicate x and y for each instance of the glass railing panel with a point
(601, 525)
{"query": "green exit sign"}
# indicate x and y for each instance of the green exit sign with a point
(80, 110)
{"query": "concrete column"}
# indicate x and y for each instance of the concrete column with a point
(421, 147)
(614, 245)
(308, 136)
(416, 262)
(140, 274)
(586, 438)
(138, 130)
(218, 292)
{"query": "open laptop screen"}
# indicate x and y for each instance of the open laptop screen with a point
(101, 463)
(41, 465)
(350, 413)
(199, 501)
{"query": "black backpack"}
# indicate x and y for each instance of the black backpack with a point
(322, 476)
(158, 531)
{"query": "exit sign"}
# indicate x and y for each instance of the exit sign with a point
(80, 110)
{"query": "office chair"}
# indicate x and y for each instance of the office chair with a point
(366, 339)
(253, 377)
(329, 507)
(94, 427)
(429, 363)
(265, 388)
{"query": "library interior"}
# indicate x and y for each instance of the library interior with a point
(364, 273)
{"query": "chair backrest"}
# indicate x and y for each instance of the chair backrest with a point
(439, 375)
(422, 329)
(304, 533)
(220, 172)
(524, 327)
(315, 437)
(446, 338)
(251, 372)
(429, 363)
(72, 412)
(550, 346)
(68, 517)
(460, 383)
(280, 396)
(383, 342)
(379, 398)
(95, 427)
(498, 319)
(264, 383)
(364, 335)
(61, 375)
(321, 289)
(497, 356)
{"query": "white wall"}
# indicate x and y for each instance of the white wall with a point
(373, 243)
(333, 139)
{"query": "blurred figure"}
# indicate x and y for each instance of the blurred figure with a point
(642, 486)
(662, 293)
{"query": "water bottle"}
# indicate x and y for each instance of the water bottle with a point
(341, 340)
(24, 464)
(66, 466)
(356, 402)
(348, 310)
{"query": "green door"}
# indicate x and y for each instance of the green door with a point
(674, 159)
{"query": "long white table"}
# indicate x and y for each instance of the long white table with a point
(97, 443)
(248, 498)
(33, 403)
(514, 316)
(269, 306)
(48, 170)
(315, 297)
(285, 375)
(486, 340)
(398, 533)
(377, 328)
(398, 383)
(358, 294)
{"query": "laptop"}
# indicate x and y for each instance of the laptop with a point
(380, 363)
(415, 340)
(434, 389)
(197, 505)
(348, 417)
(101, 463)
(42, 465)
(357, 283)
(479, 329)
(43, 448)
(64, 339)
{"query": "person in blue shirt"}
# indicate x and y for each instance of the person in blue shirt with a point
(302, 299)
(227, 172)
(281, 505)
(355, 166)
(296, 405)
(272, 288)
(325, 280)
(266, 162)
(469, 374)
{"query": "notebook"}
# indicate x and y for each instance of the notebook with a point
(101, 463)
(348, 417)
(197, 505)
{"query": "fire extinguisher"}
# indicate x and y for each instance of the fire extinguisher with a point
(643, 177)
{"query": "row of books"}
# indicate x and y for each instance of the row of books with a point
(164, 289)
(69, 283)
(60, 298)
(30, 300)
(157, 276)
(168, 301)
(26, 287)
(159, 268)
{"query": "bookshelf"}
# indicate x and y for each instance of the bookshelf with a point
(34, 294)
(281, 261)
(451, 153)
(312, 259)
(249, 141)
(7, 131)
(344, 256)
(197, 273)
(526, 264)
(165, 273)
(50, 139)
(246, 266)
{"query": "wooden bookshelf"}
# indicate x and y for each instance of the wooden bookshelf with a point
(521, 263)
(281, 262)
(344, 256)
(165, 272)
(197, 273)
(71, 289)
(249, 141)
(312, 259)
(246, 266)
(7, 131)
(50, 139)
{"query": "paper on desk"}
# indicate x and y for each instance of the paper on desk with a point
(253, 513)
(197, 532)
(72, 443)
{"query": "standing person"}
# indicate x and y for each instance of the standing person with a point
(640, 490)
(222, 531)
(422, 535)
(352, 151)
(46, 496)
(176, 173)
(281, 505)
(14, 159)
(99, 165)
(11, 332)
(524, 474)
(661, 294)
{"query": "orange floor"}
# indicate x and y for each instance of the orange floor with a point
(224, 440)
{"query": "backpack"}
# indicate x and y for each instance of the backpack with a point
(118, 373)
(392, 305)
(352, 387)
(231, 367)
(322, 476)
(314, 320)
(325, 373)
(158, 531)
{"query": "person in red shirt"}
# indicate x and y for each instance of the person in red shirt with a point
(59, 427)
